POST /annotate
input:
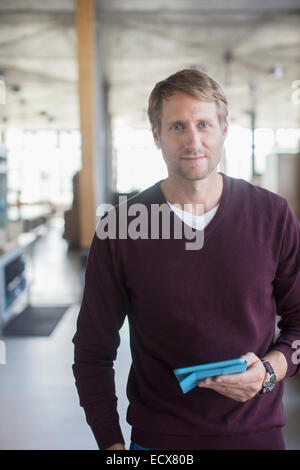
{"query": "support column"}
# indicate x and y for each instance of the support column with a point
(93, 177)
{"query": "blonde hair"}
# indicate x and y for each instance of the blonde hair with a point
(190, 81)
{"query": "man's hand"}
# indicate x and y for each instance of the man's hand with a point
(118, 446)
(241, 386)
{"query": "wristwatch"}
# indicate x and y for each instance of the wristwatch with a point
(270, 379)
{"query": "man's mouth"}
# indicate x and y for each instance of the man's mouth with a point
(197, 157)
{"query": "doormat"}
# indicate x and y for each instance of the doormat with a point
(35, 321)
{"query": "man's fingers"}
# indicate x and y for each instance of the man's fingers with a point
(234, 380)
(250, 358)
(251, 374)
(236, 392)
(225, 380)
(240, 386)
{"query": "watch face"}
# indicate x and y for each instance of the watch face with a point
(271, 384)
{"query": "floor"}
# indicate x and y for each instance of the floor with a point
(39, 406)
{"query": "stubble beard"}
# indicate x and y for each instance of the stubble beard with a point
(200, 174)
(197, 174)
(197, 177)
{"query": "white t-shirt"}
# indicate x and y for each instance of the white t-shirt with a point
(198, 222)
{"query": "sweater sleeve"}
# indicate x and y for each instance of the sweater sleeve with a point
(287, 292)
(102, 313)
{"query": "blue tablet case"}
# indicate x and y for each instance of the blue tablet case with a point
(188, 377)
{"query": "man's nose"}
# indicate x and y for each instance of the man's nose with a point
(193, 140)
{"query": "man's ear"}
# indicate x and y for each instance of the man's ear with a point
(225, 129)
(156, 136)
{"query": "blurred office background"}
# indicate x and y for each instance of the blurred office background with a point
(75, 77)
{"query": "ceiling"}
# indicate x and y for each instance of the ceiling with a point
(252, 49)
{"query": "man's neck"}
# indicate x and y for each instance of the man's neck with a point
(206, 192)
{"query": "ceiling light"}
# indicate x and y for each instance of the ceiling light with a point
(277, 71)
(15, 88)
(254, 89)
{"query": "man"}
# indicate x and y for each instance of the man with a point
(189, 307)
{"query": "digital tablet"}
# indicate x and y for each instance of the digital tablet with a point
(188, 377)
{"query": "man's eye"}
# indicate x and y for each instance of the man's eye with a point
(203, 124)
(177, 127)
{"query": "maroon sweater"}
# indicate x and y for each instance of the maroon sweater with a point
(188, 307)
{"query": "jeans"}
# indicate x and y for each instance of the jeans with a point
(134, 446)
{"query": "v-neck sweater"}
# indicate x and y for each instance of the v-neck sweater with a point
(190, 307)
(198, 222)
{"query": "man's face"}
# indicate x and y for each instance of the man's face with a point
(191, 137)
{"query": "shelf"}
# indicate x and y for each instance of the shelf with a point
(15, 280)
(16, 247)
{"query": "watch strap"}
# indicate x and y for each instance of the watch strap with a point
(268, 367)
(271, 381)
